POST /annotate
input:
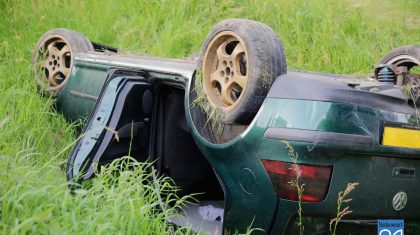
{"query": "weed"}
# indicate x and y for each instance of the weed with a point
(214, 115)
(266, 78)
(201, 97)
(342, 198)
(414, 95)
(38, 70)
(297, 184)
(250, 229)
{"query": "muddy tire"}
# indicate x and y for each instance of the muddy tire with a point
(53, 58)
(408, 56)
(239, 61)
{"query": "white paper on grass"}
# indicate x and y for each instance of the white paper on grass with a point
(211, 213)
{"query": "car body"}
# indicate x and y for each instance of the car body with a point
(330, 120)
(314, 138)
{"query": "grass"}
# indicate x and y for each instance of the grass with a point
(322, 35)
(214, 116)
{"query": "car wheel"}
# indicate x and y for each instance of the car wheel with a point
(53, 58)
(408, 56)
(239, 61)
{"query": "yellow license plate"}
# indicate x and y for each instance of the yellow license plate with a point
(407, 137)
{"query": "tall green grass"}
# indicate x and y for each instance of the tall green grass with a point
(319, 35)
(121, 200)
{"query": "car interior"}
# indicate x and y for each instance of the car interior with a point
(151, 125)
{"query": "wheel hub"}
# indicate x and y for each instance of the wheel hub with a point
(57, 64)
(225, 70)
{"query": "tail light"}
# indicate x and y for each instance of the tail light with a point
(316, 180)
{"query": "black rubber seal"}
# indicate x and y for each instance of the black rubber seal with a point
(318, 137)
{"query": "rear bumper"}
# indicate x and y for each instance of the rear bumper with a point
(320, 226)
(371, 199)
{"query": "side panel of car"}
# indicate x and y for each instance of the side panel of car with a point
(90, 71)
(247, 199)
(81, 92)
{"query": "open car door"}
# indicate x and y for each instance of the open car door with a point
(121, 118)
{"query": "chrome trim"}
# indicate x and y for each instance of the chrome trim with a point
(399, 201)
(83, 95)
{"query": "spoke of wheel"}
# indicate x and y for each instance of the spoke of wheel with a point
(225, 94)
(47, 65)
(64, 50)
(51, 77)
(53, 49)
(237, 76)
(238, 49)
(215, 76)
(221, 52)
(64, 70)
(239, 79)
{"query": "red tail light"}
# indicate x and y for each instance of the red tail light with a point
(316, 180)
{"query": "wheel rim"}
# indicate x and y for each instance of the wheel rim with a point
(225, 70)
(55, 59)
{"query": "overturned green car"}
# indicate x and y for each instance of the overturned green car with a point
(267, 147)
